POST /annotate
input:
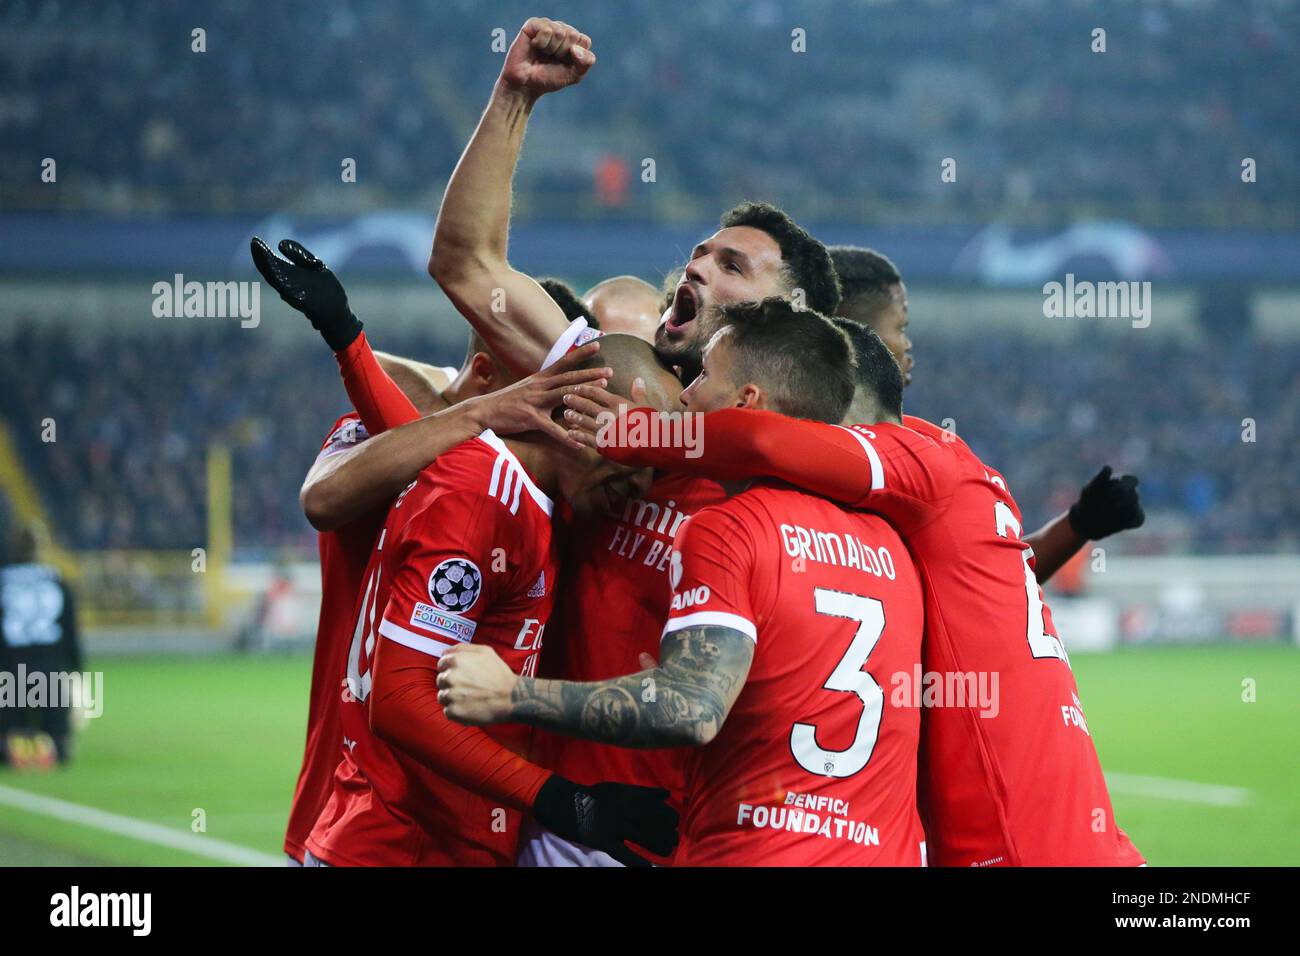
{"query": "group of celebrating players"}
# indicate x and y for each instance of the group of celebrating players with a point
(541, 646)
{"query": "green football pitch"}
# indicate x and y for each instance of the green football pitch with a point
(194, 760)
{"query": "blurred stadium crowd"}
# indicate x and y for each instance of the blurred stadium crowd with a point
(852, 131)
(128, 467)
(857, 126)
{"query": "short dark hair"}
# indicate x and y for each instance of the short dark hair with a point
(808, 265)
(877, 369)
(564, 295)
(864, 273)
(797, 356)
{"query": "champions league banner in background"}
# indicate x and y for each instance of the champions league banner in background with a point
(397, 243)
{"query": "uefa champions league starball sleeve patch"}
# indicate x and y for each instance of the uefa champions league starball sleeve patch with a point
(455, 585)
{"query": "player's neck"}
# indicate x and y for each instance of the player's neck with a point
(869, 414)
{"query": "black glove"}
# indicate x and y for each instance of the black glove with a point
(1107, 505)
(308, 286)
(604, 815)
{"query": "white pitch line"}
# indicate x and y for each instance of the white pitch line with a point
(204, 846)
(1188, 791)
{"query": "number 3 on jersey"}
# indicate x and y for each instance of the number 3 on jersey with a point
(1042, 643)
(849, 677)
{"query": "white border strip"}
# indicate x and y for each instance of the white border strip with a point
(715, 618)
(877, 469)
(205, 846)
(416, 642)
(564, 343)
(489, 438)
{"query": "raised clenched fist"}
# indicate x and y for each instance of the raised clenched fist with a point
(547, 55)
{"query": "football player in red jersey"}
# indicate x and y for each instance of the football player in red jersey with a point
(1013, 780)
(773, 658)
(621, 559)
(346, 493)
(875, 297)
(466, 555)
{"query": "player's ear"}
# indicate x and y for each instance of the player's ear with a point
(750, 396)
(483, 371)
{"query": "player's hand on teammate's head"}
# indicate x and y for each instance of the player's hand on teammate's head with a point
(1106, 505)
(547, 55)
(307, 284)
(527, 404)
(475, 685)
(590, 408)
(608, 816)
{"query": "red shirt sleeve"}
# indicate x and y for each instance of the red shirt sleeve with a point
(404, 710)
(445, 550)
(711, 573)
(376, 397)
(913, 477)
(884, 468)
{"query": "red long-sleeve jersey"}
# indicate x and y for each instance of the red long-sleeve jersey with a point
(1009, 773)
(465, 556)
(344, 552)
(816, 762)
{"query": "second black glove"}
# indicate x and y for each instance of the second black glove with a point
(604, 816)
(306, 284)
(1107, 505)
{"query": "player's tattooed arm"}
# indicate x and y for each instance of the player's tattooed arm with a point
(681, 702)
